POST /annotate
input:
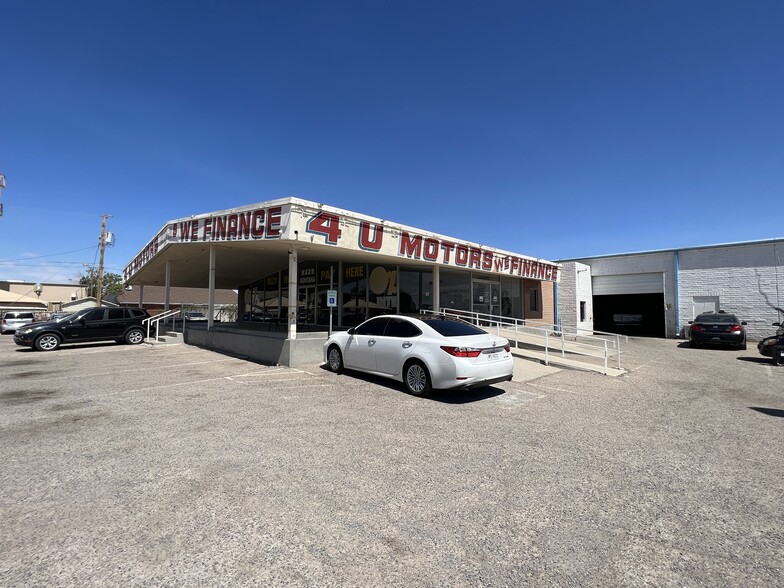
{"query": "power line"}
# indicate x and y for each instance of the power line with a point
(51, 254)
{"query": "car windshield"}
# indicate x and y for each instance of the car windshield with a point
(63, 317)
(717, 318)
(451, 327)
(194, 314)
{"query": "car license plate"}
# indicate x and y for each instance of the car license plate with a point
(492, 357)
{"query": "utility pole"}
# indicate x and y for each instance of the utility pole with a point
(99, 282)
(2, 185)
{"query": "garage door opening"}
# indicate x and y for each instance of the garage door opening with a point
(629, 304)
(639, 315)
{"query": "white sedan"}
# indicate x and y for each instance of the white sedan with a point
(425, 353)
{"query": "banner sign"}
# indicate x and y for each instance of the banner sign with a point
(300, 222)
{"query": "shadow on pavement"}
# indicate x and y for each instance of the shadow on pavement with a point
(443, 396)
(774, 412)
(765, 360)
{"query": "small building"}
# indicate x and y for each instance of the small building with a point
(53, 295)
(183, 299)
(299, 266)
(11, 301)
(82, 303)
(657, 293)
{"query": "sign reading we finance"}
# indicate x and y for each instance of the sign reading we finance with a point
(376, 238)
(237, 225)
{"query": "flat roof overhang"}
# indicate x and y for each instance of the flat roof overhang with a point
(239, 263)
(254, 241)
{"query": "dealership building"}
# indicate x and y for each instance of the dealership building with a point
(657, 293)
(299, 266)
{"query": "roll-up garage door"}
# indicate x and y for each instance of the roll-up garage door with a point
(652, 283)
(631, 304)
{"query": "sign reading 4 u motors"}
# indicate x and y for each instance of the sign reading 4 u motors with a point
(375, 237)
(292, 219)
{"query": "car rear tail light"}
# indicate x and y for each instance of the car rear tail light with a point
(736, 329)
(508, 348)
(696, 328)
(462, 351)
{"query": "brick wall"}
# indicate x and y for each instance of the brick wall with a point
(747, 279)
(574, 287)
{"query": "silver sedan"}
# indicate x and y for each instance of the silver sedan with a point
(425, 353)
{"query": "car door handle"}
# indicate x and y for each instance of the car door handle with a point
(371, 342)
(407, 344)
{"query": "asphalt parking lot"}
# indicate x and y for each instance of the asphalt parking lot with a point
(176, 466)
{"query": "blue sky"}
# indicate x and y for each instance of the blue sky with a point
(552, 129)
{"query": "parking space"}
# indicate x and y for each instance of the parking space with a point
(173, 465)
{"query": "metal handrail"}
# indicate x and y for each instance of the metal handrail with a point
(157, 319)
(596, 347)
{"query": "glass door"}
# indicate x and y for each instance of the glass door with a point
(306, 306)
(486, 300)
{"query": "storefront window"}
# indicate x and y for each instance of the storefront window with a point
(354, 304)
(416, 290)
(511, 301)
(455, 291)
(382, 290)
(271, 303)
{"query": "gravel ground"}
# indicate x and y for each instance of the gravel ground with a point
(176, 466)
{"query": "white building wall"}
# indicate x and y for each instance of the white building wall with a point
(659, 262)
(747, 279)
(575, 286)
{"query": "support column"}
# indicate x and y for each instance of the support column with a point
(211, 292)
(293, 294)
(167, 285)
(436, 288)
(141, 295)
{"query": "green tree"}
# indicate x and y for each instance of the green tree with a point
(111, 284)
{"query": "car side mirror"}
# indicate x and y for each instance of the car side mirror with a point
(350, 331)
(776, 324)
(744, 323)
(690, 322)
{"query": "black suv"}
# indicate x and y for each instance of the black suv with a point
(123, 325)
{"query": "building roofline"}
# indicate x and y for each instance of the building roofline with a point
(673, 249)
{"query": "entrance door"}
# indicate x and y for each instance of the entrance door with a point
(705, 304)
(486, 299)
(306, 306)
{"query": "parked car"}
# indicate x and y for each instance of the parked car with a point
(13, 319)
(425, 352)
(765, 347)
(123, 325)
(259, 317)
(717, 328)
(194, 317)
(56, 316)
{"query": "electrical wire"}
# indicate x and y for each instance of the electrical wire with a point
(48, 255)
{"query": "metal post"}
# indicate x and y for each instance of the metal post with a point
(605, 357)
(167, 286)
(293, 294)
(546, 350)
(331, 287)
(211, 291)
(618, 349)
